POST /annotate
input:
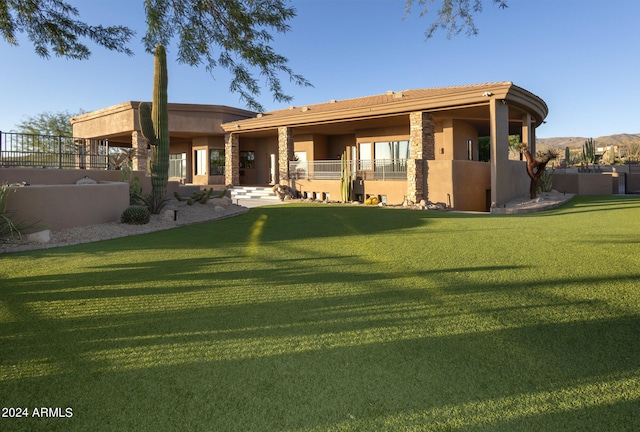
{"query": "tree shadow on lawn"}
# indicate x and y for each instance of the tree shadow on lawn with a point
(293, 365)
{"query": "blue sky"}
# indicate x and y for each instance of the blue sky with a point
(581, 56)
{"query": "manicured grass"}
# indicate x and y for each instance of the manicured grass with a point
(316, 318)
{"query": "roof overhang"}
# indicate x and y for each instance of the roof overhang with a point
(442, 101)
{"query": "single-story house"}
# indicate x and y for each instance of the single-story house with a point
(400, 146)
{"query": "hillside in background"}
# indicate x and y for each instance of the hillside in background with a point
(577, 142)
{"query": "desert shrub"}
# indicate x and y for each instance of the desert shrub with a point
(10, 229)
(135, 215)
(154, 203)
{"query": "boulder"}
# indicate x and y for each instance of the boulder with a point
(220, 202)
(169, 215)
(39, 237)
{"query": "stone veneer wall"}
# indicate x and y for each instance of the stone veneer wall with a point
(139, 144)
(231, 159)
(285, 153)
(422, 149)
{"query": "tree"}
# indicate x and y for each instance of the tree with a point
(49, 123)
(454, 16)
(51, 25)
(536, 166)
(230, 34)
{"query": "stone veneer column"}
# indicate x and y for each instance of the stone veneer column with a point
(231, 159)
(285, 154)
(140, 146)
(422, 149)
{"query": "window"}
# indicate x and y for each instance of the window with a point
(365, 156)
(392, 150)
(178, 165)
(216, 162)
(391, 156)
(200, 162)
(247, 159)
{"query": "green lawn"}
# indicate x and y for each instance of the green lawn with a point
(340, 318)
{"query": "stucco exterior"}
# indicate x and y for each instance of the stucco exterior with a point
(436, 130)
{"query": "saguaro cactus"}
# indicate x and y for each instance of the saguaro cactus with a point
(154, 122)
(346, 182)
(589, 151)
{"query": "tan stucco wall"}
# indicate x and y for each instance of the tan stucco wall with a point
(39, 176)
(439, 180)
(518, 180)
(462, 133)
(471, 182)
(106, 122)
(308, 143)
(461, 184)
(585, 183)
(336, 145)
(309, 187)
(451, 136)
(184, 119)
(394, 190)
(69, 205)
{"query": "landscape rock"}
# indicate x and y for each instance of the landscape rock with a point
(86, 180)
(39, 237)
(221, 202)
(284, 192)
(169, 215)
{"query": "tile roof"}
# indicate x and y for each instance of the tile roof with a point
(381, 99)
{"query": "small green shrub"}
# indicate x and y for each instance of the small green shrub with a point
(136, 215)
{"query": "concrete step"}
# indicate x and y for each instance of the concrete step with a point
(253, 192)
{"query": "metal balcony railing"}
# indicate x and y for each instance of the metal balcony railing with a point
(377, 169)
(47, 151)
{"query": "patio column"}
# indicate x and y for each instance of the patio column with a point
(285, 154)
(500, 182)
(527, 133)
(422, 149)
(231, 159)
(141, 155)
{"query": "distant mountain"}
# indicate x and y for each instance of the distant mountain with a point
(577, 142)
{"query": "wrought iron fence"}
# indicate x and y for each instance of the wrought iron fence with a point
(377, 169)
(47, 151)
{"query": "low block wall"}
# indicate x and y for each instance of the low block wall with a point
(50, 176)
(68, 205)
(585, 183)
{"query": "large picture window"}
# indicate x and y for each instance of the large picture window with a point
(247, 159)
(392, 150)
(216, 162)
